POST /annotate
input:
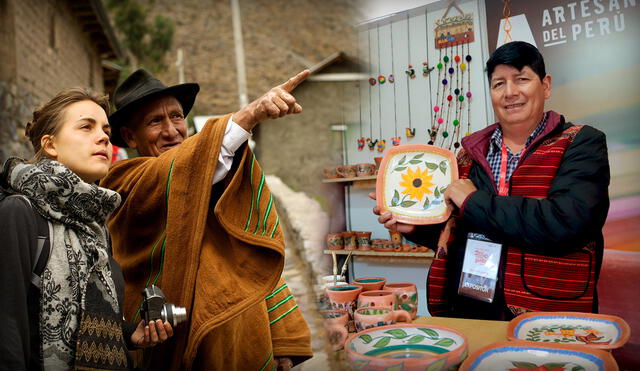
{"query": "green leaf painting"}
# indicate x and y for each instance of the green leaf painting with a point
(396, 198)
(426, 203)
(578, 368)
(402, 160)
(414, 162)
(431, 165)
(366, 338)
(445, 342)
(443, 167)
(436, 193)
(397, 333)
(407, 203)
(416, 339)
(382, 342)
(432, 334)
(525, 365)
(400, 168)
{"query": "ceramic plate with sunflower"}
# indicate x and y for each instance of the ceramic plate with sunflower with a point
(412, 180)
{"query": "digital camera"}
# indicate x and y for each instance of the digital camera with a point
(155, 306)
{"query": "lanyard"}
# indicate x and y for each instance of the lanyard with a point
(503, 189)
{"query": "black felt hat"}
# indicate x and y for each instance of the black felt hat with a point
(137, 90)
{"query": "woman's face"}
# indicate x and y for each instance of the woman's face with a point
(82, 142)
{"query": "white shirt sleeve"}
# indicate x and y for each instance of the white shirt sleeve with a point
(234, 137)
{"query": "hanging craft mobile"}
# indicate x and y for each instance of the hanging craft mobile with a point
(381, 79)
(372, 81)
(396, 139)
(426, 70)
(451, 33)
(360, 140)
(410, 131)
(392, 79)
(411, 72)
(381, 142)
(370, 142)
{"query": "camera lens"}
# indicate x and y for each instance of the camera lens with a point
(175, 315)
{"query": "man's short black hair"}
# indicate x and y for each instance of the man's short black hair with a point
(517, 54)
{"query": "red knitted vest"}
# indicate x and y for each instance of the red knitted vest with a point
(532, 282)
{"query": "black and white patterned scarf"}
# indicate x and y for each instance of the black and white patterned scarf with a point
(79, 252)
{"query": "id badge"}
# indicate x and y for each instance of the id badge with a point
(480, 268)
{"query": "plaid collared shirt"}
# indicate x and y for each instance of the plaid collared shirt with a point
(495, 151)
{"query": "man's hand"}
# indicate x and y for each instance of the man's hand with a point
(277, 102)
(389, 221)
(284, 363)
(458, 191)
(154, 333)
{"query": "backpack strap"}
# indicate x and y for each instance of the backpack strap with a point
(43, 246)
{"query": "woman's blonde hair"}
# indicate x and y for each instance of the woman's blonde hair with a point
(47, 119)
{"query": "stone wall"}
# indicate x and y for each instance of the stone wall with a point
(43, 50)
(280, 39)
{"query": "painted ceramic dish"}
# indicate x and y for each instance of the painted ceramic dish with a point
(526, 355)
(412, 180)
(406, 347)
(594, 330)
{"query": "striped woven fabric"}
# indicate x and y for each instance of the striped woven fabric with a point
(285, 318)
(532, 282)
(262, 218)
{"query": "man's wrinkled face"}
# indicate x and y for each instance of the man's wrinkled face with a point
(156, 127)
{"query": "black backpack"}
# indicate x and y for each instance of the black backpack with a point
(43, 248)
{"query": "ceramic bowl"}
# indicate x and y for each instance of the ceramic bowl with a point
(406, 347)
(598, 331)
(412, 180)
(527, 355)
(371, 283)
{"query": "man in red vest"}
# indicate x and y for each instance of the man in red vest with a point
(531, 200)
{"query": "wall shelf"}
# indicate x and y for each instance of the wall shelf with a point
(429, 254)
(361, 182)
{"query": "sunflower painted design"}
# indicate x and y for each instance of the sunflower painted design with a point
(416, 183)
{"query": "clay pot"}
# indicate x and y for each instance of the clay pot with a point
(335, 241)
(363, 240)
(370, 283)
(347, 171)
(406, 296)
(365, 169)
(336, 324)
(331, 172)
(344, 297)
(365, 318)
(349, 239)
(377, 298)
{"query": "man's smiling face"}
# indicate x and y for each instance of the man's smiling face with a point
(156, 127)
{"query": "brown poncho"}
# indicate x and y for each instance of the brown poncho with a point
(220, 257)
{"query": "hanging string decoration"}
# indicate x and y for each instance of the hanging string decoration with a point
(411, 74)
(381, 142)
(360, 140)
(506, 13)
(370, 142)
(396, 139)
(451, 35)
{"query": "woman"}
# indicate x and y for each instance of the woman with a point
(73, 319)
